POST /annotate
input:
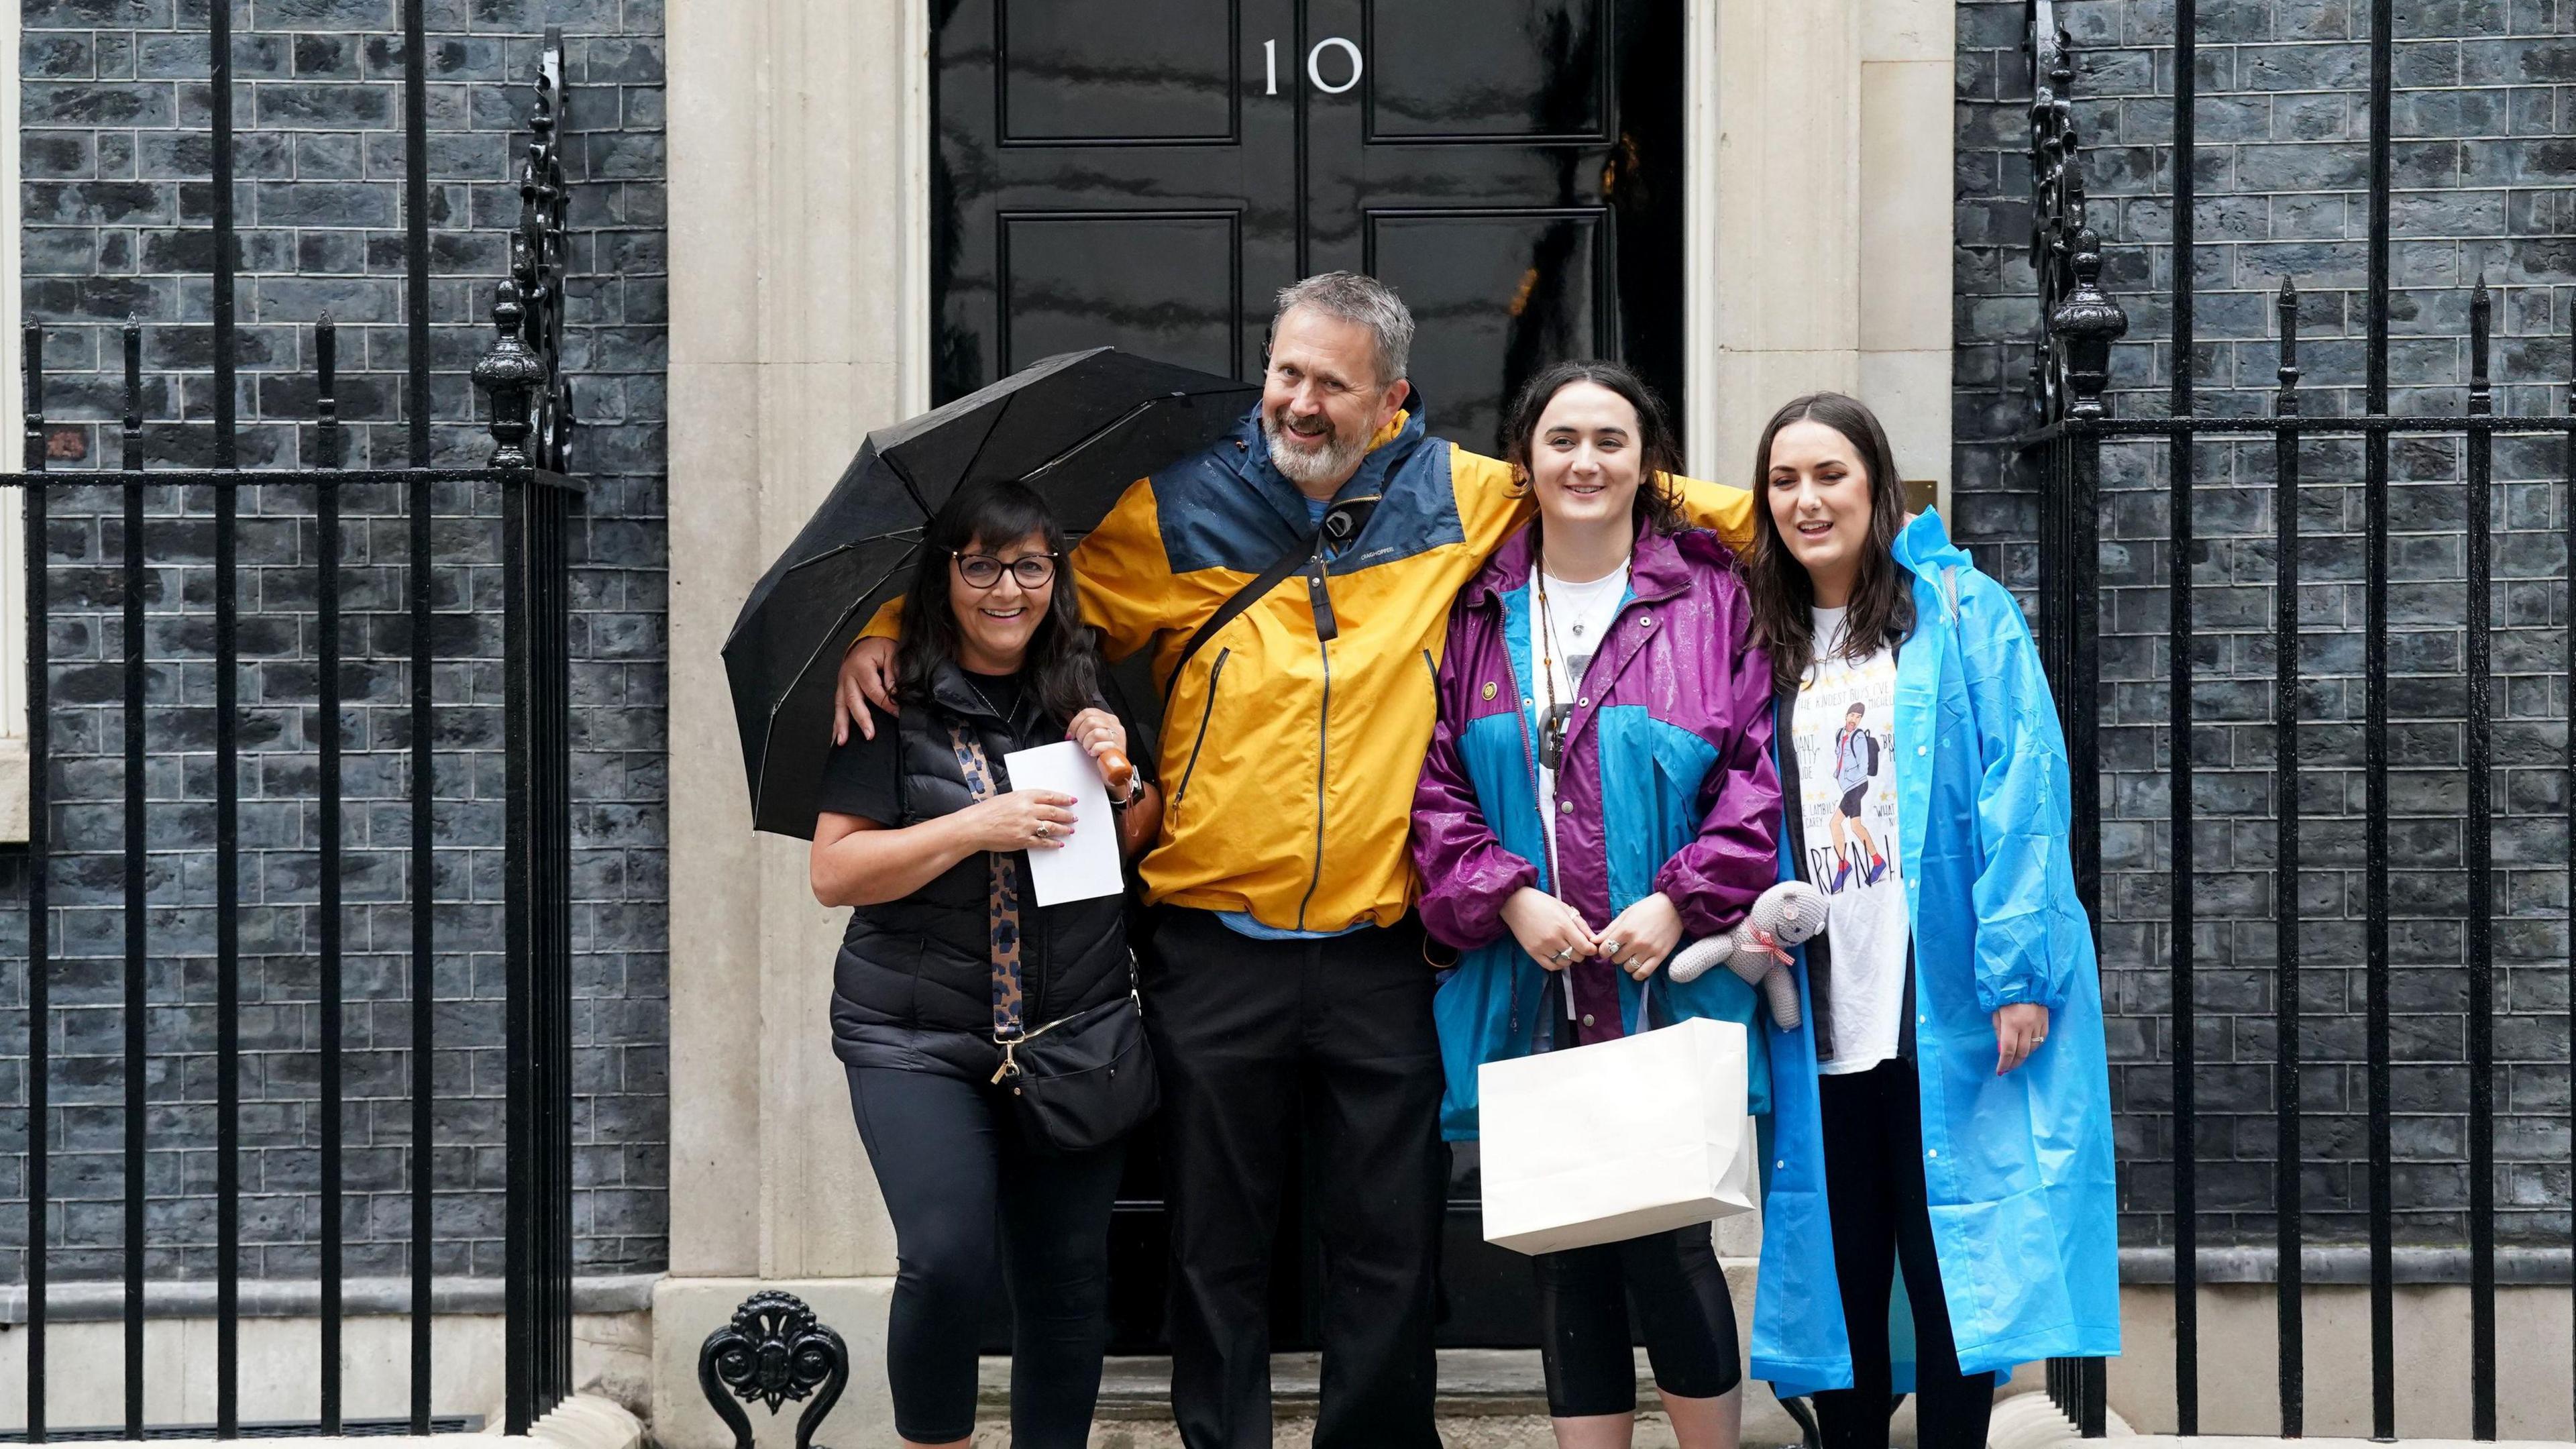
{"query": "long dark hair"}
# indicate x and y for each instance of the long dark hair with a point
(1659, 453)
(1882, 602)
(1061, 668)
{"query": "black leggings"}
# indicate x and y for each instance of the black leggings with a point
(970, 1195)
(1682, 1304)
(1873, 1123)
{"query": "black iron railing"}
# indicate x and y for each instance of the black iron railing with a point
(529, 466)
(2069, 378)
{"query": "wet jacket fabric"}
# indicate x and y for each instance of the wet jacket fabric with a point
(2018, 1168)
(1289, 757)
(912, 988)
(1667, 785)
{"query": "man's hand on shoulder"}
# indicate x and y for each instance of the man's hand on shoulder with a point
(867, 677)
(1725, 510)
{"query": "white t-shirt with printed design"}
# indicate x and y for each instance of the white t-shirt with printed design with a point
(1843, 731)
(1580, 615)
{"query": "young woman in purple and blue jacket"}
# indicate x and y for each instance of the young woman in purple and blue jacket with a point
(1599, 787)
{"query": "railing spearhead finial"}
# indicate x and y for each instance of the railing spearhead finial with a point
(133, 434)
(2481, 328)
(2286, 401)
(31, 367)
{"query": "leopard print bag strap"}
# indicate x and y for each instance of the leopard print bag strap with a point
(1002, 903)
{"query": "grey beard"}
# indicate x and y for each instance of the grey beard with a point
(1334, 461)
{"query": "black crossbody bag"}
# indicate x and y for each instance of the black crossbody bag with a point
(1079, 1082)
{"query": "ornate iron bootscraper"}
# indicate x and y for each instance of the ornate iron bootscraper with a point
(771, 1352)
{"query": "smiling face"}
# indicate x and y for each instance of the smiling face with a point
(1818, 491)
(1584, 459)
(1322, 400)
(994, 625)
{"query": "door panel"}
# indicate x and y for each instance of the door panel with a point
(1164, 283)
(1147, 173)
(1499, 70)
(1551, 264)
(1513, 167)
(1075, 139)
(1170, 74)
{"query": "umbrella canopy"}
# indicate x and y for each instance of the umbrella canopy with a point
(1079, 428)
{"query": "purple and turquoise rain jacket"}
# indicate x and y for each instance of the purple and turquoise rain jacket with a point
(1667, 785)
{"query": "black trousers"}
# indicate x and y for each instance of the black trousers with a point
(971, 1197)
(1682, 1304)
(1276, 1056)
(1873, 1126)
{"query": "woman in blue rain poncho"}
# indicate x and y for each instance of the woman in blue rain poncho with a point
(1944, 1107)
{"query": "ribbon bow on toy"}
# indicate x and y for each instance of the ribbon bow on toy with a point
(1755, 941)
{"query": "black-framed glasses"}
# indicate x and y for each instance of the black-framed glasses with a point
(983, 571)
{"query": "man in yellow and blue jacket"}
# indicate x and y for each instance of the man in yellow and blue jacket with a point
(1286, 993)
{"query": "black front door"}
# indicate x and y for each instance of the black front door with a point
(1148, 173)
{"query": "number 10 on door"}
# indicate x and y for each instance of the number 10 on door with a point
(1314, 67)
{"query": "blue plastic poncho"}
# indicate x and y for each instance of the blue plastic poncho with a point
(2018, 1167)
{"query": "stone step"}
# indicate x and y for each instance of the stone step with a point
(1489, 1399)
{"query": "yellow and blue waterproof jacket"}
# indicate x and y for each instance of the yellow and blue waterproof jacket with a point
(1290, 757)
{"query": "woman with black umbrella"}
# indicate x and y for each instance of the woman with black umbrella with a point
(948, 956)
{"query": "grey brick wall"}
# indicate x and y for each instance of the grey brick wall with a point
(2485, 104)
(117, 156)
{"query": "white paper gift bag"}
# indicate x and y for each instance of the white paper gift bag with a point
(1600, 1143)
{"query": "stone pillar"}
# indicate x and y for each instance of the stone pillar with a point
(1908, 69)
(1785, 304)
(1820, 235)
(797, 322)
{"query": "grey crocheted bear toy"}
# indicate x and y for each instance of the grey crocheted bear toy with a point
(1789, 914)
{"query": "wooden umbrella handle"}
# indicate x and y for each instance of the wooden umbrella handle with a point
(1117, 771)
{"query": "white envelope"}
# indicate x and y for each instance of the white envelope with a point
(1087, 865)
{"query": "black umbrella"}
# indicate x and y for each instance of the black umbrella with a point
(1079, 428)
